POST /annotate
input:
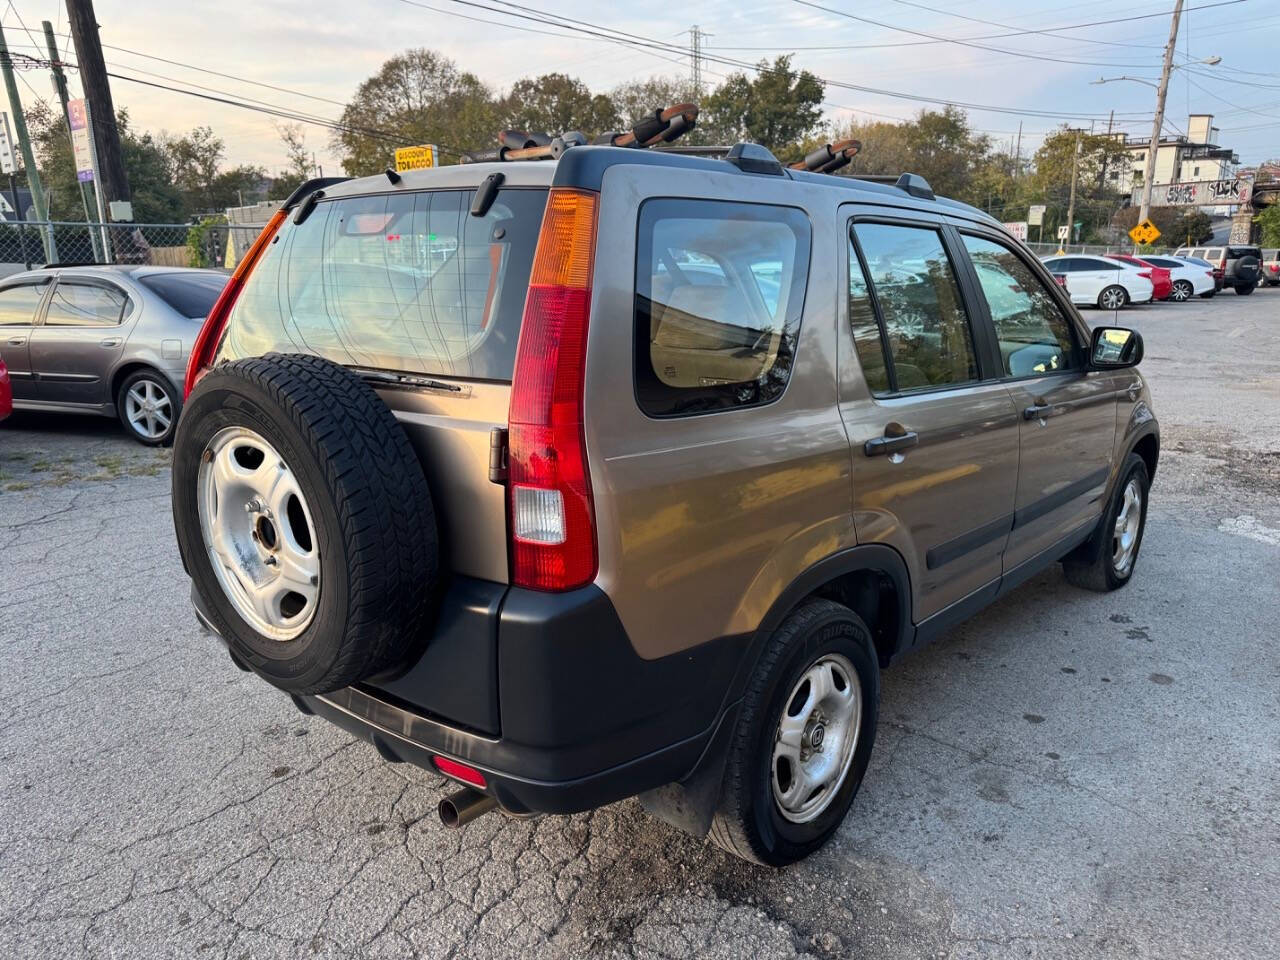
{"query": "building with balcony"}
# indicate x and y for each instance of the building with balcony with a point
(1179, 159)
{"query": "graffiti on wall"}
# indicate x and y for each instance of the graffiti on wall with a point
(1202, 193)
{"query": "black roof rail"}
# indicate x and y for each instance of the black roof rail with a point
(754, 158)
(316, 183)
(915, 185)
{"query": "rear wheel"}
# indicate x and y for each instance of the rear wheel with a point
(1182, 290)
(148, 407)
(1244, 289)
(1113, 298)
(804, 737)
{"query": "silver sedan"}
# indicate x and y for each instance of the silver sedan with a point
(110, 340)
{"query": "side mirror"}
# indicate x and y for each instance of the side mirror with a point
(1115, 348)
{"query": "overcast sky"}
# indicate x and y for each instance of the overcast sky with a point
(324, 48)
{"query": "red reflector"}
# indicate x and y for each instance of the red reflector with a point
(459, 771)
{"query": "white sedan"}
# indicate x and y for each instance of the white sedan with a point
(1107, 284)
(1189, 279)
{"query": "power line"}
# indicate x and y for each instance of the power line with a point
(979, 46)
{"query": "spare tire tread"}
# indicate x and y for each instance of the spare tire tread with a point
(383, 507)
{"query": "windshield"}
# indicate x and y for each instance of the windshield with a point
(191, 294)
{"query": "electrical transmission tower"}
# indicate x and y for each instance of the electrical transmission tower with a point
(696, 37)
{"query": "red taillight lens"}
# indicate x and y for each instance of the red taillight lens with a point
(1145, 273)
(214, 325)
(553, 536)
(459, 771)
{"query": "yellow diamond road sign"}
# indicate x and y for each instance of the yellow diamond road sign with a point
(1145, 233)
(415, 158)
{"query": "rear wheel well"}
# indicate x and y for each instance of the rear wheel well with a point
(873, 596)
(128, 369)
(1148, 448)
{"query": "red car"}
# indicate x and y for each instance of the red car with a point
(6, 391)
(1160, 277)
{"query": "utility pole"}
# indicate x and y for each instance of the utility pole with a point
(1071, 205)
(28, 158)
(60, 88)
(1157, 125)
(1017, 157)
(113, 180)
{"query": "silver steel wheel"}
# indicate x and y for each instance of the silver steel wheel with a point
(1124, 540)
(1182, 291)
(1112, 298)
(148, 409)
(258, 532)
(816, 738)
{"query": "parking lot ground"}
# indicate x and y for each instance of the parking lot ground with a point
(1066, 775)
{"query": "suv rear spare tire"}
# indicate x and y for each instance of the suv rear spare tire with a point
(305, 522)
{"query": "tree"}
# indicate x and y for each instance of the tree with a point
(416, 97)
(1269, 220)
(554, 103)
(298, 167)
(1096, 196)
(195, 158)
(945, 151)
(780, 108)
(636, 99)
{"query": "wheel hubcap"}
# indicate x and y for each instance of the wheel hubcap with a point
(148, 409)
(258, 532)
(816, 737)
(1124, 540)
(1181, 291)
(1112, 299)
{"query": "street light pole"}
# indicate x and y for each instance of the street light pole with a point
(1071, 206)
(1158, 124)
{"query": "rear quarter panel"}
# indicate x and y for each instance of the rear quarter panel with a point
(703, 520)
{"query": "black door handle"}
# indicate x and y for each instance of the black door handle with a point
(881, 446)
(1040, 411)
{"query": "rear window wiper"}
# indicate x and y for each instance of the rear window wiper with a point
(408, 380)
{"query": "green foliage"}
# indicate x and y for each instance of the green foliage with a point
(198, 254)
(1269, 221)
(1177, 225)
(631, 101)
(298, 168)
(555, 102)
(779, 107)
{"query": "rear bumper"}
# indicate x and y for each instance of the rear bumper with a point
(545, 695)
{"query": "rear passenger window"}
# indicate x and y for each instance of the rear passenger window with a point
(719, 294)
(404, 281)
(1033, 334)
(84, 305)
(18, 303)
(923, 324)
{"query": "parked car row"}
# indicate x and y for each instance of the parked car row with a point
(110, 340)
(1116, 280)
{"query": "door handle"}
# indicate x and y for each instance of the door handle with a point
(890, 443)
(1040, 410)
(17, 341)
(109, 342)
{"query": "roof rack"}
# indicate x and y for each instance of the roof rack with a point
(660, 126)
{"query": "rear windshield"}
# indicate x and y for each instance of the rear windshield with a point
(1234, 253)
(405, 281)
(191, 294)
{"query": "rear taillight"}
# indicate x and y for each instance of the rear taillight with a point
(553, 536)
(460, 771)
(214, 325)
(1145, 273)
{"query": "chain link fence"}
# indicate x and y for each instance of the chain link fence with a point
(26, 244)
(1096, 249)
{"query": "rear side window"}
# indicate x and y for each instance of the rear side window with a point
(76, 304)
(923, 327)
(719, 294)
(405, 281)
(191, 294)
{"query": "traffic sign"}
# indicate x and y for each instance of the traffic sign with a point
(415, 158)
(1035, 214)
(1144, 233)
(1062, 232)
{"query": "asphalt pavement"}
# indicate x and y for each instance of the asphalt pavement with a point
(1067, 775)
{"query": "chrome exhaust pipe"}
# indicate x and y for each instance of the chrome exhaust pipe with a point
(461, 807)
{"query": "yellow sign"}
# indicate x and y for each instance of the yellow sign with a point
(415, 158)
(1145, 233)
